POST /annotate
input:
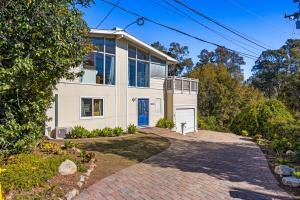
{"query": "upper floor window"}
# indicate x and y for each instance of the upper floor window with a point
(99, 65)
(158, 67)
(138, 67)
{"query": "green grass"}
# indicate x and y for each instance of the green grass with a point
(25, 171)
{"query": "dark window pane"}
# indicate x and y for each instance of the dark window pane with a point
(89, 61)
(110, 46)
(100, 68)
(109, 70)
(131, 52)
(132, 73)
(98, 107)
(86, 107)
(142, 74)
(98, 44)
(142, 55)
(157, 60)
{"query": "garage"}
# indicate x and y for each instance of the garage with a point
(185, 119)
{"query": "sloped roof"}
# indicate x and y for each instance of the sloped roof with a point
(134, 40)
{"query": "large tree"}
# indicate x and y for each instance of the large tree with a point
(179, 52)
(41, 42)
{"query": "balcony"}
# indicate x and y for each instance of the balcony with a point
(182, 85)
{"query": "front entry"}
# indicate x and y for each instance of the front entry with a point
(143, 112)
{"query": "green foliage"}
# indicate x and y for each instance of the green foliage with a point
(281, 145)
(132, 129)
(208, 123)
(264, 116)
(296, 174)
(41, 42)
(165, 123)
(107, 132)
(244, 133)
(25, 171)
(78, 132)
(86, 157)
(118, 131)
(70, 145)
(96, 132)
(257, 137)
(51, 148)
(282, 161)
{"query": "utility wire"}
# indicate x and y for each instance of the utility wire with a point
(221, 25)
(180, 12)
(179, 31)
(108, 14)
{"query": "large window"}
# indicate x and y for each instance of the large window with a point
(99, 66)
(138, 67)
(91, 107)
(158, 68)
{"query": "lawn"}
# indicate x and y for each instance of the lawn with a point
(114, 154)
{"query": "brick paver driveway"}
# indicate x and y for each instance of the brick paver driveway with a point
(206, 165)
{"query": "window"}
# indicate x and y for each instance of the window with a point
(138, 68)
(91, 107)
(158, 105)
(158, 67)
(99, 66)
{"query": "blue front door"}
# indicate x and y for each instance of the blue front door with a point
(143, 112)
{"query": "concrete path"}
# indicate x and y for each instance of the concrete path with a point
(206, 165)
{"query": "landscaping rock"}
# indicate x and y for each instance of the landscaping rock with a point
(79, 184)
(68, 167)
(291, 181)
(70, 195)
(284, 170)
(290, 153)
(82, 178)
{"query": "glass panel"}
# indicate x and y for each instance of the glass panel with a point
(131, 73)
(86, 107)
(157, 60)
(131, 52)
(178, 85)
(109, 70)
(89, 61)
(194, 86)
(100, 68)
(142, 55)
(186, 85)
(110, 46)
(98, 107)
(142, 74)
(158, 70)
(98, 44)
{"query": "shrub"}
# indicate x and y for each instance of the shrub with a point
(78, 132)
(70, 145)
(86, 157)
(165, 123)
(208, 123)
(107, 132)
(132, 129)
(52, 148)
(281, 145)
(92, 134)
(296, 174)
(282, 161)
(117, 131)
(97, 132)
(244, 133)
(257, 137)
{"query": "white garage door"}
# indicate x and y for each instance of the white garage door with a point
(186, 116)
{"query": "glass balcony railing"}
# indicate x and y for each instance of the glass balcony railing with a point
(182, 84)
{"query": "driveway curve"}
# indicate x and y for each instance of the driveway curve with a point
(206, 165)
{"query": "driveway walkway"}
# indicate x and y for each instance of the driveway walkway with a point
(206, 165)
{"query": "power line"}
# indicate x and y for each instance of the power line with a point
(179, 31)
(221, 25)
(180, 12)
(107, 15)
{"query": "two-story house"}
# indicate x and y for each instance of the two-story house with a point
(124, 82)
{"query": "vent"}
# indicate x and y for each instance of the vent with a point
(62, 132)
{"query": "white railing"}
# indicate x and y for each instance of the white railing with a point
(182, 84)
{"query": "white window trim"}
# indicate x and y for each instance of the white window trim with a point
(160, 106)
(91, 97)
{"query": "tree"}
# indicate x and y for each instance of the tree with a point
(181, 53)
(41, 42)
(231, 60)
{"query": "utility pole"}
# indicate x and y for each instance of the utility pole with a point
(295, 16)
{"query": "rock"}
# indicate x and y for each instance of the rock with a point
(284, 170)
(290, 153)
(68, 167)
(70, 195)
(291, 181)
(82, 178)
(79, 184)
(88, 173)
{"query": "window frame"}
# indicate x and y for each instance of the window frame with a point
(104, 53)
(165, 64)
(91, 97)
(160, 106)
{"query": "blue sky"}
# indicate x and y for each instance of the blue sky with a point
(261, 19)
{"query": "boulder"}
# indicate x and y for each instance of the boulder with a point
(291, 181)
(284, 170)
(70, 195)
(67, 167)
